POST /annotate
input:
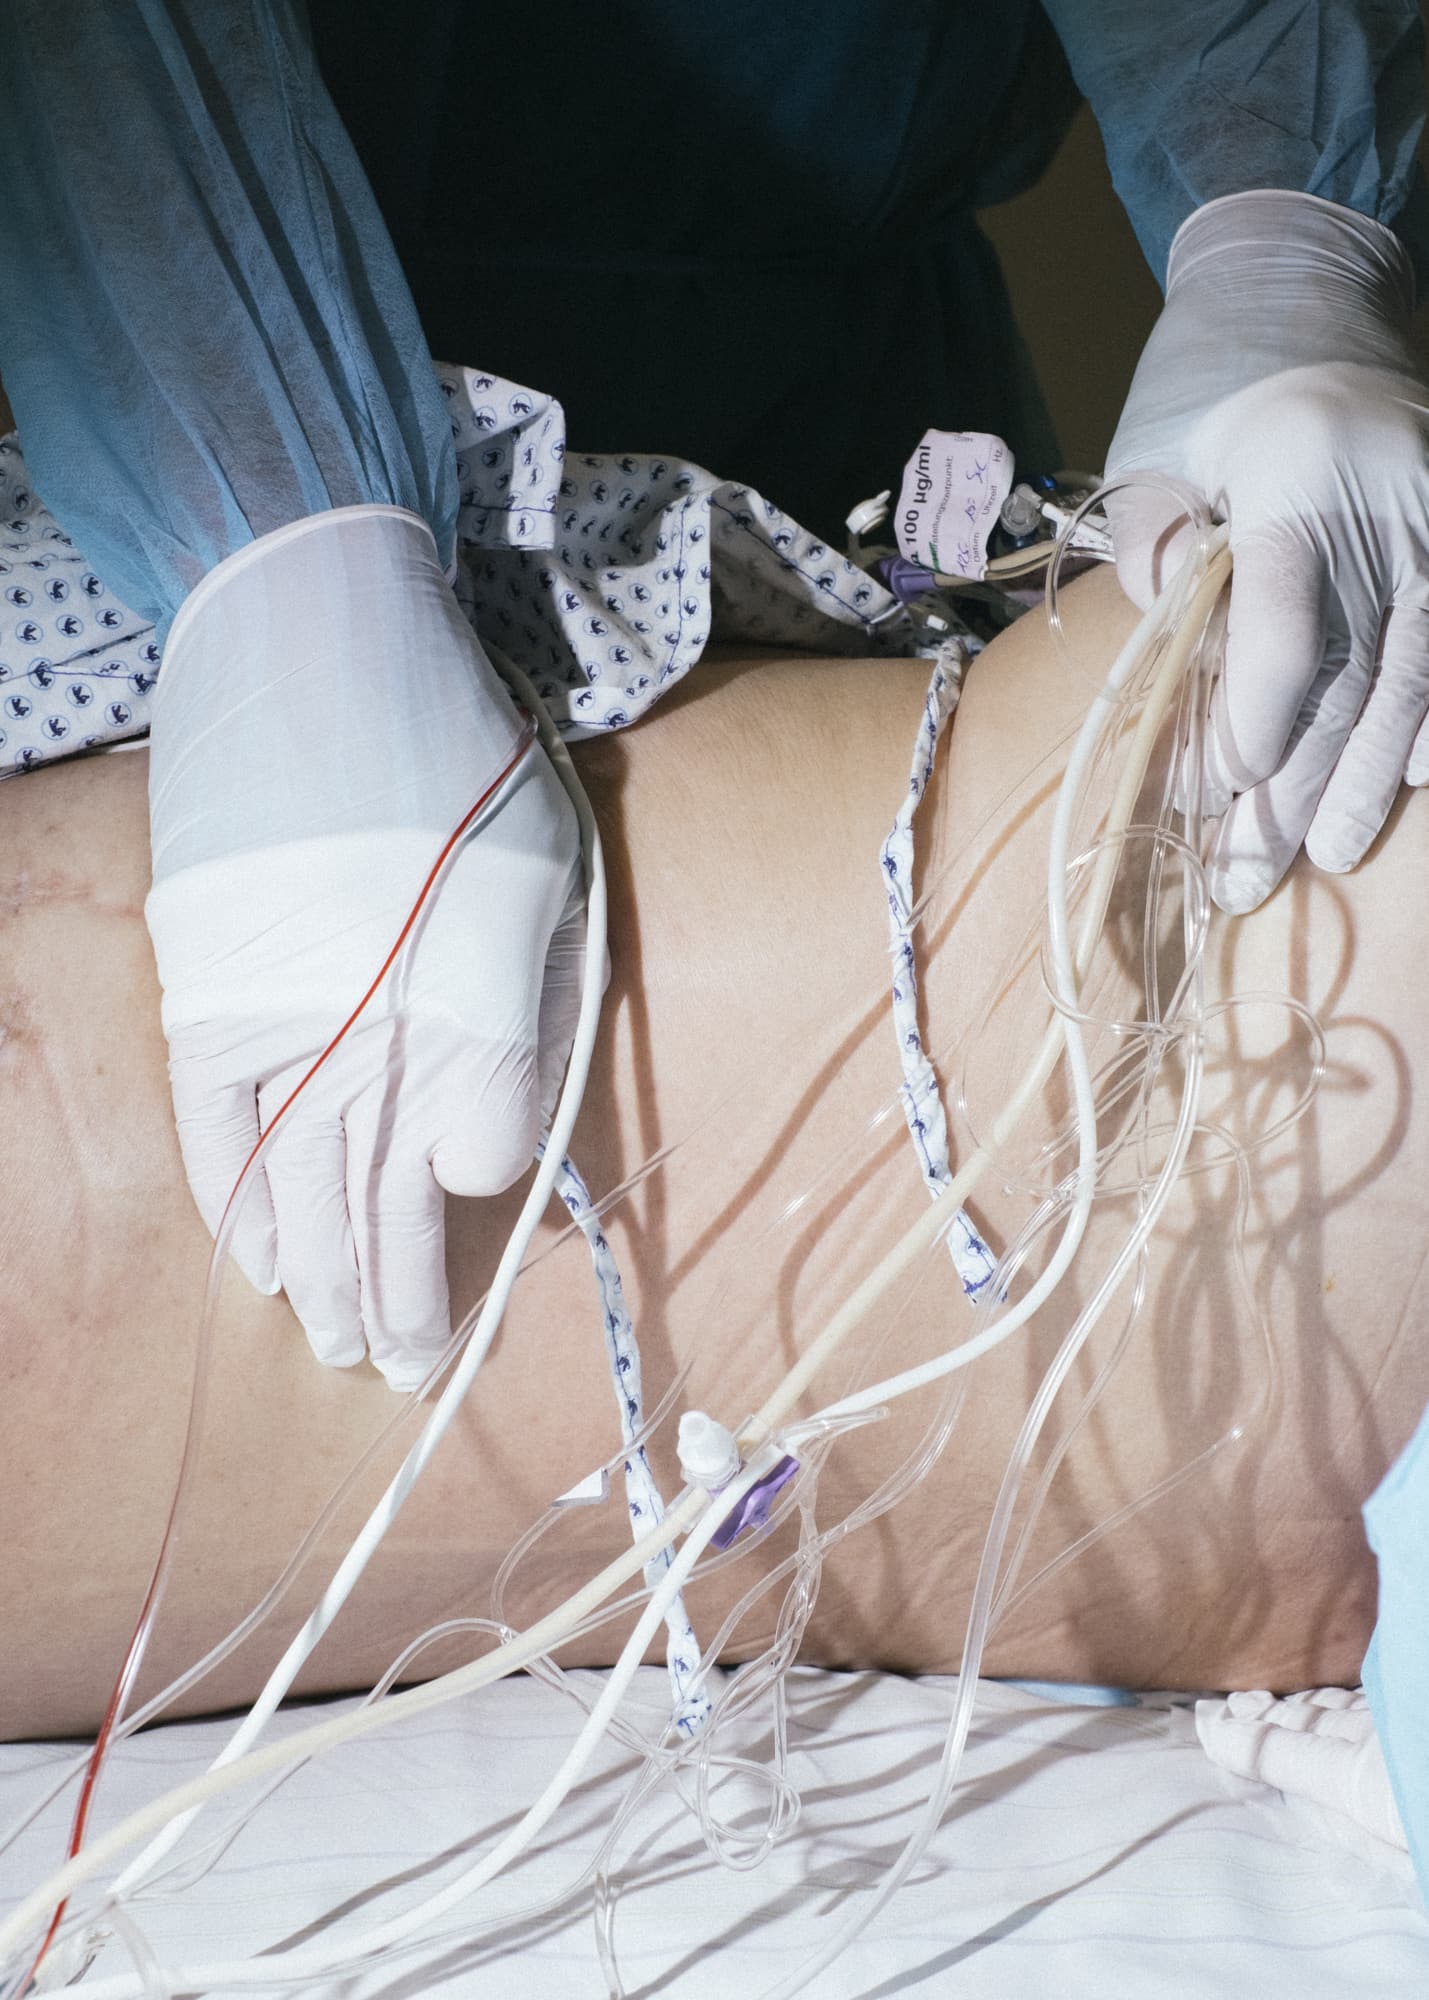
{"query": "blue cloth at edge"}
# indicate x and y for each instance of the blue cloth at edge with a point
(1212, 97)
(1396, 1668)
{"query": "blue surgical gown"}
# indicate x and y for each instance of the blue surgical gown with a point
(203, 331)
(742, 233)
(746, 231)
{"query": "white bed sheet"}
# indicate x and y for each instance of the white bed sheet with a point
(1091, 1852)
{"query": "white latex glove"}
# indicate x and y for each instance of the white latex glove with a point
(1279, 382)
(1319, 1746)
(324, 718)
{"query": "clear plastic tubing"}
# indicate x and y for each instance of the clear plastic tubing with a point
(474, 1353)
(487, 1322)
(690, 1506)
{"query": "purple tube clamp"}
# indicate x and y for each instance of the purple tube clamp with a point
(753, 1509)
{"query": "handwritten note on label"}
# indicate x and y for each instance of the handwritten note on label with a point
(952, 493)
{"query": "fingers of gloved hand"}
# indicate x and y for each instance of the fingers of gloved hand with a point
(561, 997)
(1152, 534)
(398, 1217)
(1276, 638)
(1337, 1711)
(1216, 791)
(1366, 778)
(1416, 771)
(1328, 1756)
(481, 1098)
(1265, 827)
(488, 1116)
(317, 1261)
(218, 1129)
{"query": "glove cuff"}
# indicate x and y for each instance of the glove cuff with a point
(228, 575)
(1264, 234)
(320, 682)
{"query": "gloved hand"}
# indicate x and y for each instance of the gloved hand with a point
(1319, 1746)
(1280, 383)
(324, 718)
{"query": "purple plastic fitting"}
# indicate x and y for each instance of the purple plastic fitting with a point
(753, 1509)
(905, 579)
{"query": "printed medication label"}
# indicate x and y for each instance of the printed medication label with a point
(952, 493)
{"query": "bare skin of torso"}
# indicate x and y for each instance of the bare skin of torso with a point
(742, 826)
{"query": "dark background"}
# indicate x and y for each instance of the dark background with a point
(1083, 295)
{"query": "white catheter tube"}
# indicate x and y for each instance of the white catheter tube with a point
(984, 1593)
(315, 1962)
(370, 1536)
(980, 1613)
(236, 1767)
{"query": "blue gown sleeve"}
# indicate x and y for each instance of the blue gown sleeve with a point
(1212, 97)
(204, 330)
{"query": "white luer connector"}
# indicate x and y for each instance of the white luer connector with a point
(709, 1456)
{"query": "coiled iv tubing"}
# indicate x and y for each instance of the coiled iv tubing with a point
(763, 1434)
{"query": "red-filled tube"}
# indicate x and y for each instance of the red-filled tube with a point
(134, 1653)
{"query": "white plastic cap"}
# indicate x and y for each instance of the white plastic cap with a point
(709, 1456)
(868, 513)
